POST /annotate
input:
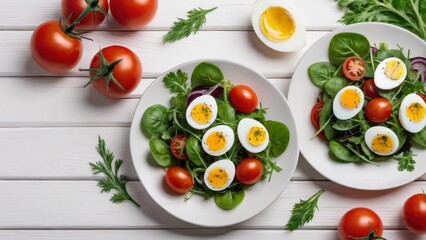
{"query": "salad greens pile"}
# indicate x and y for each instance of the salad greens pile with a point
(162, 124)
(346, 137)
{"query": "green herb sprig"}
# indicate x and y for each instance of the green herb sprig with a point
(114, 180)
(182, 28)
(406, 161)
(303, 212)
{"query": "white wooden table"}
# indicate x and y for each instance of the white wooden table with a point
(49, 127)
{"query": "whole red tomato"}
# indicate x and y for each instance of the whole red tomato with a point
(71, 9)
(133, 13)
(378, 110)
(243, 98)
(120, 75)
(359, 223)
(370, 89)
(249, 170)
(53, 49)
(414, 213)
(179, 179)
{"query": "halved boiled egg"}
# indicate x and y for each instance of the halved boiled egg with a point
(412, 113)
(201, 112)
(381, 140)
(253, 135)
(218, 140)
(348, 102)
(278, 25)
(219, 175)
(390, 73)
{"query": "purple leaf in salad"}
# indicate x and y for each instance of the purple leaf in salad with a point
(215, 91)
(418, 64)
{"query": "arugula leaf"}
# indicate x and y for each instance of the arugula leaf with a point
(406, 161)
(303, 212)
(114, 181)
(177, 82)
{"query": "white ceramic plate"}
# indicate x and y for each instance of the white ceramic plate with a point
(302, 96)
(197, 210)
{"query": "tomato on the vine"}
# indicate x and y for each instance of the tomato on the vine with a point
(177, 146)
(71, 10)
(359, 223)
(133, 13)
(179, 179)
(249, 170)
(115, 71)
(414, 213)
(354, 68)
(54, 49)
(378, 110)
(370, 89)
(243, 98)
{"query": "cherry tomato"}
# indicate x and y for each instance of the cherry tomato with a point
(53, 49)
(177, 147)
(414, 213)
(378, 110)
(315, 111)
(133, 13)
(354, 68)
(128, 72)
(179, 179)
(422, 96)
(249, 170)
(73, 8)
(243, 98)
(370, 89)
(359, 223)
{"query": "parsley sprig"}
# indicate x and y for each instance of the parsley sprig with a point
(406, 161)
(303, 212)
(182, 28)
(114, 180)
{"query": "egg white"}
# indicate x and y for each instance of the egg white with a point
(243, 129)
(208, 100)
(229, 168)
(408, 125)
(378, 130)
(384, 82)
(295, 42)
(343, 113)
(229, 136)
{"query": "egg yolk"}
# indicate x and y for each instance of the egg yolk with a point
(277, 24)
(382, 143)
(216, 141)
(415, 112)
(394, 69)
(350, 98)
(218, 177)
(256, 136)
(201, 113)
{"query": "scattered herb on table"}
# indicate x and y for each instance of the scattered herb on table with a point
(408, 14)
(114, 181)
(303, 212)
(182, 28)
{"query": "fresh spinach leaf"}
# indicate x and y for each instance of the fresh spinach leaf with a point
(347, 44)
(321, 72)
(155, 120)
(345, 125)
(279, 137)
(160, 150)
(324, 117)
(194, 150)
(229, 199)
(334, 85)
(419, 139)
(342, 153)
(206, 74)
(226, 113)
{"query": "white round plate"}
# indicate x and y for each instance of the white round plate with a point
(197, 210)
(303, 94)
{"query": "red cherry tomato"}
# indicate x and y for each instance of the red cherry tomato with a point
(53, 49)
(370, 89)
(249, 170)
(243, 98)
(73, 8)
(177, 147)
(422, 96)
(359, 223)
(315, 112)
(179, 179)
(414, 213)
(128, 72)
(354, 68)
(133, 13)
(378, 110)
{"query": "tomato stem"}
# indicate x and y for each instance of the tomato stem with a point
(92, 6)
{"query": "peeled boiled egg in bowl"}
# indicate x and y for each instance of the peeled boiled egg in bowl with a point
(278, 25)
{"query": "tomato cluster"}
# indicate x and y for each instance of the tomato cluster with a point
(57, 48)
